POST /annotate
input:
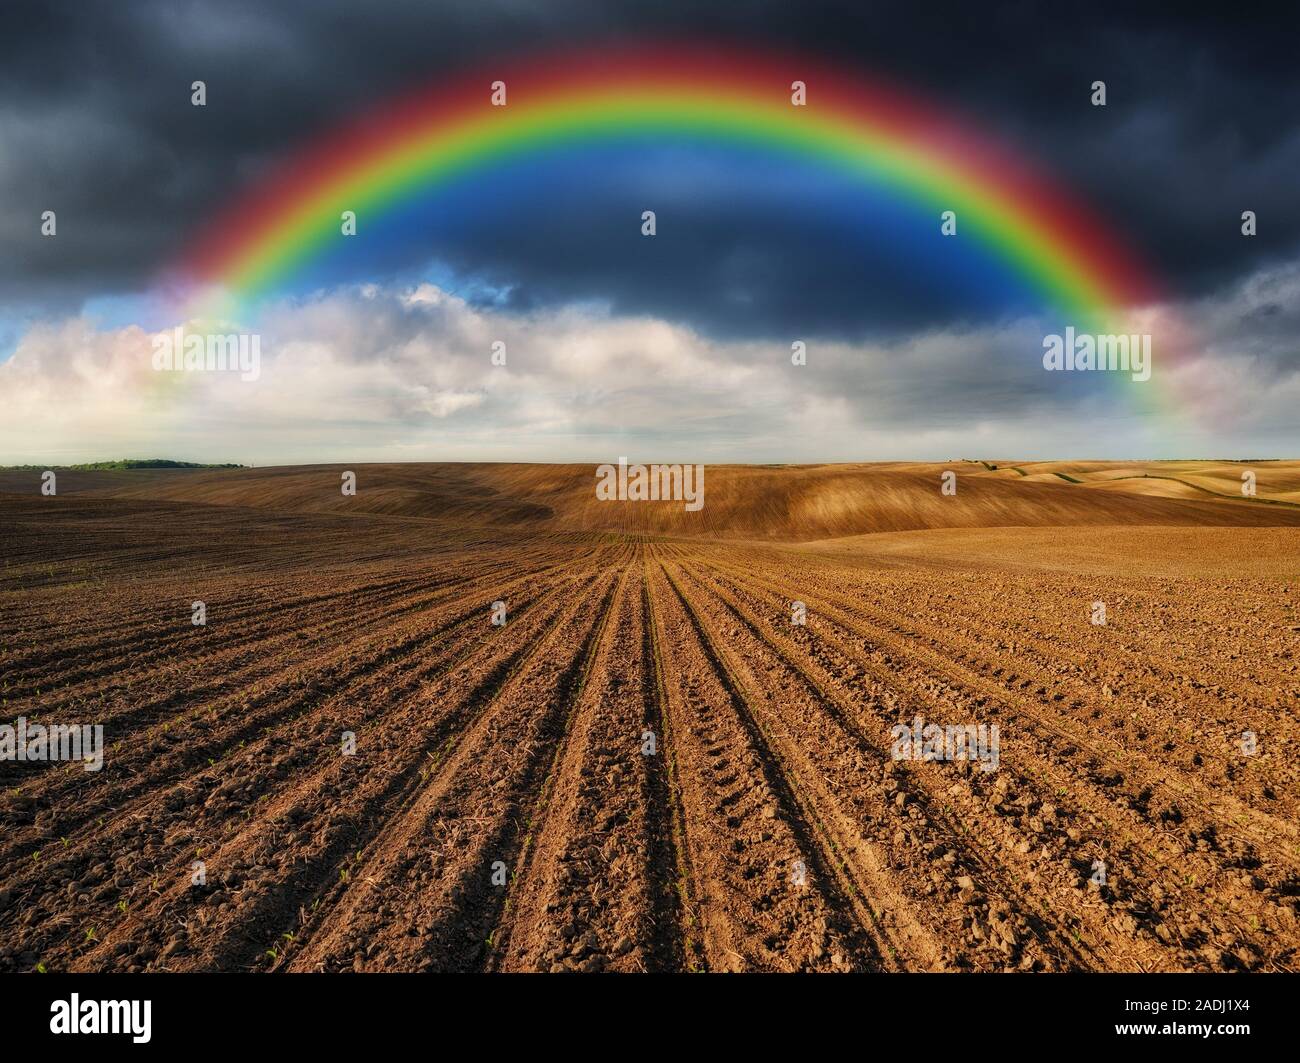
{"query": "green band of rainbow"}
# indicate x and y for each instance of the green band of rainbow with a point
(405, 147)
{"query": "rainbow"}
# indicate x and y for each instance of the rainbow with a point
(864, 128)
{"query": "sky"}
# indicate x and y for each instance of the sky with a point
(677, 348)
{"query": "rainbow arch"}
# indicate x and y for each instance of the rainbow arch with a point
(869, 128)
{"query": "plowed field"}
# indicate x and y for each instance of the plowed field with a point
(649, 765)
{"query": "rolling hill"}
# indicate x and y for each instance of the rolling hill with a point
(779, 503)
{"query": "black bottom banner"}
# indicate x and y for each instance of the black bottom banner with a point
(1066, 1014)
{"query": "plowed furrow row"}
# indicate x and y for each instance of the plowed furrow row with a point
(331, 813)
(1160, 881)
(281, 680)
(905, 810)
(579, 887)
(1157, 625)
(428, 892)
(1068, 698)
(180, 774)
(771, 897)
(830, 768)
(675, 887)
(146, 642)
(224, 644)
(1106, 756)
(589, 885)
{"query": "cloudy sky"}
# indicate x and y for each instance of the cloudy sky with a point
(678, 352)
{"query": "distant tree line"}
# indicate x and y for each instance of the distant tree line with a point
(129, 463)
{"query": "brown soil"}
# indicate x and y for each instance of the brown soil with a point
(785, 502)
(503, 810)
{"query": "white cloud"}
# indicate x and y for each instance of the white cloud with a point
(368, 374)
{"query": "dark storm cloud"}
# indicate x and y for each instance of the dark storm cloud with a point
(95, 122)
